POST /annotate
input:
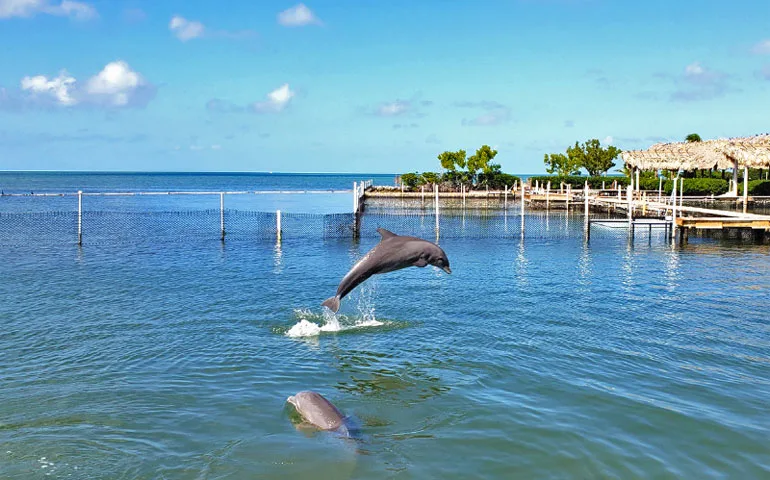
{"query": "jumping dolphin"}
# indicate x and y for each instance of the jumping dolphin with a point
(319, 411)
(394, 252)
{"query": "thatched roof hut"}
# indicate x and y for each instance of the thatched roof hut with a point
(722, 154)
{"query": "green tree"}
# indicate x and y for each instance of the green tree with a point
(693, 137)
(593, 157)
(452, 160)
(431, 178)
(561, 164)
(480, 160)
(411, 180)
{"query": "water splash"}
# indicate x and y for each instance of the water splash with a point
(311, 324)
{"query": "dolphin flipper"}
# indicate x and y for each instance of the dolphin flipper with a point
(332, 303)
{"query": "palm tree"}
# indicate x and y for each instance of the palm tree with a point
(693, 137)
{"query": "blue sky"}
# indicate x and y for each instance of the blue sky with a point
(368, 86)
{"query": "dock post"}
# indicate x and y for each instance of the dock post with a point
(422, 193)
(636, 184)
(465, 189)
(80, 217)
(745, 188)
(660, 188)
(522, 210)
(278, 226)
(569, 194)
(435, 188)
(548, 196)
(355, 197)
(505, 204)
(673, 212)
(586, 225)
(681, 192)
(630, 200)
(222, 215)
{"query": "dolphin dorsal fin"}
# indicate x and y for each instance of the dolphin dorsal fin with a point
(385, 233)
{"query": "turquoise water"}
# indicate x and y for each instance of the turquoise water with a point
(537, 358)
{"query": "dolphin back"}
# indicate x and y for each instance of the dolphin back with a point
(317, 410)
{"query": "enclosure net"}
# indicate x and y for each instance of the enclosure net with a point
(493, 218)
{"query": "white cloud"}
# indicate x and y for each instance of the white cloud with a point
(117, 85)
(30, 8)
(608, 140)
(762, 48)
(700, 83)
(491, 118)
(297, 16)
(59, 88)
(495, 113)
(186, 29)
(277, 100)
(392, 109)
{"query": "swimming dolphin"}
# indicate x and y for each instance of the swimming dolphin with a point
(394, 252)
(319, 411)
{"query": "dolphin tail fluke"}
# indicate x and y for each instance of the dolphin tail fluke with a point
(332, 303)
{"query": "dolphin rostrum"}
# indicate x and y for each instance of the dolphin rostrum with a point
(318, 411)
(394, 252)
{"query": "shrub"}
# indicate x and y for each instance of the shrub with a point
(498, 180)
(756, 187)
(704, 186)
(692, 186)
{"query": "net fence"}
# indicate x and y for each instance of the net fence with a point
(102, 227)
(487, 218)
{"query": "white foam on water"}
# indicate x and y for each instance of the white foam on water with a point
(330, 323)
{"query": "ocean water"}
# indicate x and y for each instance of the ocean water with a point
(536, 358)
(330, 191)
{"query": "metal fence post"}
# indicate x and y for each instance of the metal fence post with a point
(80, 217)
(222, 215)
(355, 197)
(278, 225)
